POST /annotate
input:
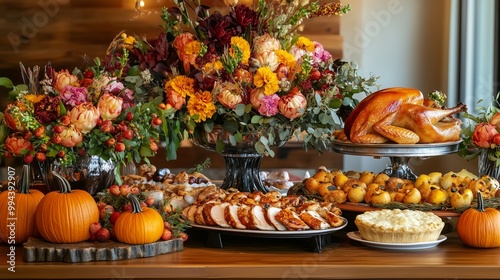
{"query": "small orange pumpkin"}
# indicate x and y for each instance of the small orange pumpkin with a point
(139, 225)
(65, 216)
(19, 207)
(480, 227)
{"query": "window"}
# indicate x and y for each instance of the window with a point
(473, 52)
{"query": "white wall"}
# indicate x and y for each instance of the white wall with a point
(406, 43)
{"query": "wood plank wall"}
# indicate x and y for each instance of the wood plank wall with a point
(66, 32)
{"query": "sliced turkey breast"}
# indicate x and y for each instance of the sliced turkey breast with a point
(270, 216)
(259, 218)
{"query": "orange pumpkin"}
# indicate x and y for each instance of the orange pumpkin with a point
(139, 225)
(23, 203)
(480, 227)
(65, 216)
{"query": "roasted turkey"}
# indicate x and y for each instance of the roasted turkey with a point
(403, 116)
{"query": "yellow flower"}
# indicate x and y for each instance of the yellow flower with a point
(192, 49)
(305, 44)
(286, 59)
(266, 78)
(181, 84)
(34, 98)
(213, 66)
(243, 45)
(201, 104)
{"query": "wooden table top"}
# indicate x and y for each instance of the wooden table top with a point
(259, 258)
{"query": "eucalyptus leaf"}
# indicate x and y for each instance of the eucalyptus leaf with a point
(219, 146)
(6, 82)
(240, 110)
(256, 119)
(260, 147)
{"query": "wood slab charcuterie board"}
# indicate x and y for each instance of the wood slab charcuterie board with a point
(38, 250)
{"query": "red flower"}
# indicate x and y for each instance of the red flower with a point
(245, 17)
(17, 145)
(483, 135)
(47, 110)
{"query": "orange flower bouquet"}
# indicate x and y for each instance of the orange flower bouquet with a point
(247, 72)
(66, 116)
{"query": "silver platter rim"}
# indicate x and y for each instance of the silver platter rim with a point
(396, 150)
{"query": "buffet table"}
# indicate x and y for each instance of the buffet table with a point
(259, 258)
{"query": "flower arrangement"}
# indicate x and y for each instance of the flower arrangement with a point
(247, 71)
(481, 134)
(70, 114)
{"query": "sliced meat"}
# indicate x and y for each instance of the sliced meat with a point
(333, 219)
(291, 220)
(259, 219)
(246, 217)
(217, 215)
(314, 220)
(189, 212)
(207, 214)
(271, 213)
(231, 216)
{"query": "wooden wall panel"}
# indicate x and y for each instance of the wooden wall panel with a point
(65, 31)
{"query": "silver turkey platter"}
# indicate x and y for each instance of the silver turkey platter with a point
(396, 150)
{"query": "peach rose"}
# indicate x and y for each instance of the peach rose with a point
(64, 78)
(180, 43)
(70, 136)
(256, 96)
(228, 94)
(11, 120)
(264, 47)
(84, 117)
(110, 106)
(243, 76)
(495, 120)
(175, 99)
(230, 2)
(17, 145)
(483, 135)
(292, 105)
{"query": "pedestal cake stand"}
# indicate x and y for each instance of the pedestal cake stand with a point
(399, 154)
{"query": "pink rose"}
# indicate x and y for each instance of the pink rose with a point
(72, 96)
(298, 53)
(70, 136)
(114, 86)
(84, 117)
(483, 135)
(63, 78)
(320, 54)
(228, 94)
(269, 105)
(293, 104)
(128, 98)
(110, 106)
(17, 145)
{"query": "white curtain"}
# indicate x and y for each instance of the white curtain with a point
(472, 52)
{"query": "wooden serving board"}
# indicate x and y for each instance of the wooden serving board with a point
(38, 250)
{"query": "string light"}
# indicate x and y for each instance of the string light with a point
(139, 4)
